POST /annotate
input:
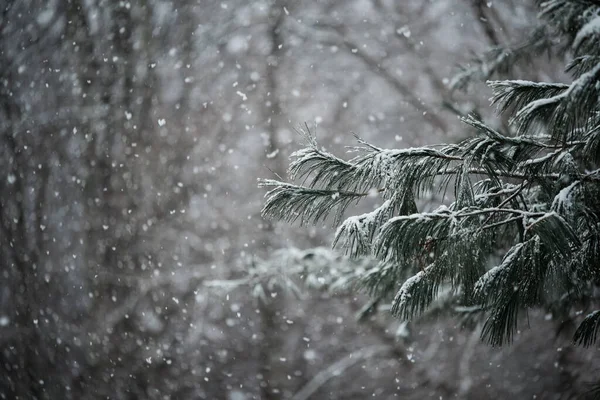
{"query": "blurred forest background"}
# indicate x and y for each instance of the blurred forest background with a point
(131, 137)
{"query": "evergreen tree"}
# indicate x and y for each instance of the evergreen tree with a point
(532, 194)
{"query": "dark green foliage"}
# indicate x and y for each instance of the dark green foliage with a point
(531, 194)
(517, 94)
(592, 146)
(587, 333)
(566, 114)
(291, 202)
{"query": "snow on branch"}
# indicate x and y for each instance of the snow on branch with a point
(587, 332)
(374, 168)
(418, 292)
(508, 287)
(497, 276)
(356, 233)
(290, 202)
(566, 115)
(331, 183)
(318, 168)
(564, 202)
(586, 41)
(559, 239)
(516, 94)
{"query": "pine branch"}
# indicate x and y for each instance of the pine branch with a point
(400, 237)
(512, 196)
(568, 16)
(586, 41)
(290, 202)
(587, 260)
(501, 325)
(506, 288)
(356, 233)
(415, 169)
(591, 150)
(558, 237)
(581, 65)
(375, 168)
(566, 114)
(587, 332)
(381, 279)
(318, 168)
(565, 201)
(418, 292)
(546, 164)
(518, 93)
(400, 240)
(534, 190)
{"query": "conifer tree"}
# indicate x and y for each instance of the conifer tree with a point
(531, 193)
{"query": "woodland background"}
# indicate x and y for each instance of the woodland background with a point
(131, 138)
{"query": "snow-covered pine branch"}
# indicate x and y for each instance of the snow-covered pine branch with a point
(355, 235)
(515, 94)
(531, 194)
(290, 202)
(567, 115)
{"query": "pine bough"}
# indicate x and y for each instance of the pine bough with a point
(532, 193)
